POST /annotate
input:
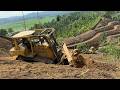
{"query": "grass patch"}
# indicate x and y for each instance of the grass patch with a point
(19, 26)
(111, 49)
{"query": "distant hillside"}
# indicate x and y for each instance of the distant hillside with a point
(32, 16)
(19, 25)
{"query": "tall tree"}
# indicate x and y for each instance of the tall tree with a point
(58, 18)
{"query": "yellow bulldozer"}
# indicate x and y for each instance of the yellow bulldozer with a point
(27, 45)
(31, 43)
(41, 45)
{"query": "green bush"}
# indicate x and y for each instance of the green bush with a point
(111, 50)
(83, 48)
(103, 38)
(3, 32)
(10, 30)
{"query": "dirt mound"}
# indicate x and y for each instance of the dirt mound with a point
(5, 46)
(4, 43)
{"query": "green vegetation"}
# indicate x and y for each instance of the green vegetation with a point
(111, 49)
(114, 15)
(83, 48)
(103, 38)
(6, 32)
(18, 26)
(3, 32)
(10, 30)
(73, 24)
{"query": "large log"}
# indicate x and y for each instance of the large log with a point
(94, 41)
(112, 38)
(114, 31)
(89, 34)
(103, 22)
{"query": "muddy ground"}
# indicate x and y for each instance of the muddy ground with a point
(11, 69)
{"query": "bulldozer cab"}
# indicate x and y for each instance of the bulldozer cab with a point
(35, 42)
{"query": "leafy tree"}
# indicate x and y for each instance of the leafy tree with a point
(10, 30)
(109, 13)
(58, 18)
(3, 32)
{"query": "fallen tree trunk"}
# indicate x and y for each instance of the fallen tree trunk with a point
(103, 22)
(95, 41)
(114, 31)
(89, 34)
(91, 42)
(114, 36)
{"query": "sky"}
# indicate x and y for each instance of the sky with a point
(6, 14)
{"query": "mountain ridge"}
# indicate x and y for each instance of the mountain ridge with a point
(33, 15)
